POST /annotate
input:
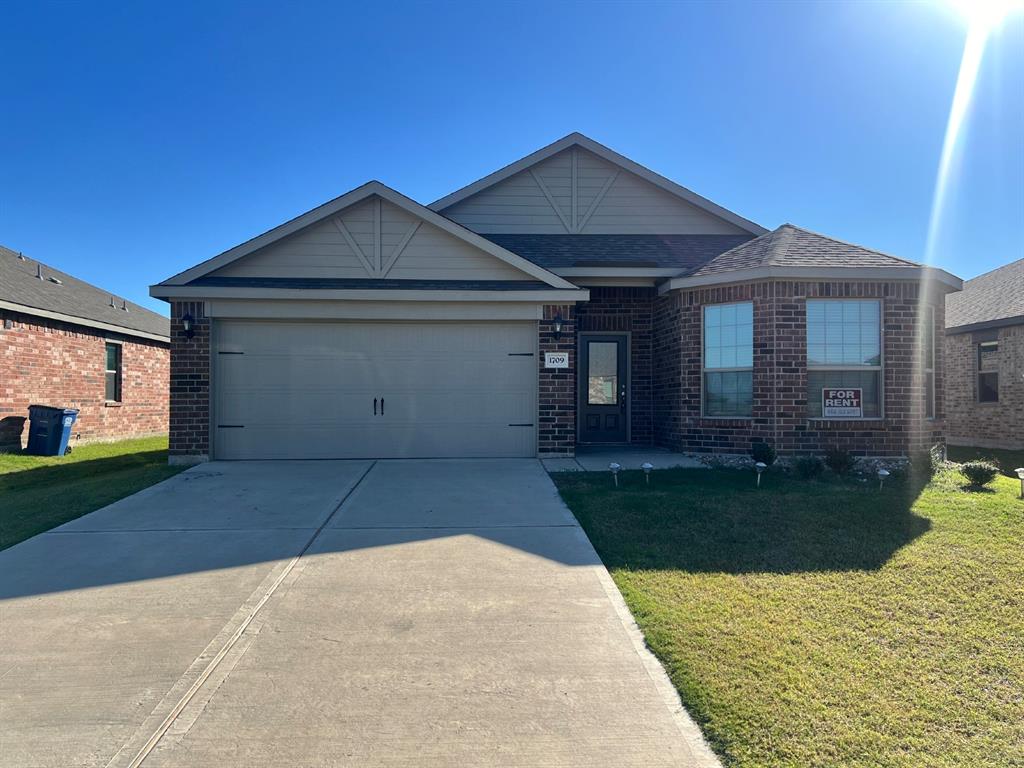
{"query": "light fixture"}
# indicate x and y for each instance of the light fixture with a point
(647, 467)
(1020, 474)
(186, 324)
(615, 467)
(759, 468)
(882, 474)
(558, 325)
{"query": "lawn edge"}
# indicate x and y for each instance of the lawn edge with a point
(701, 753)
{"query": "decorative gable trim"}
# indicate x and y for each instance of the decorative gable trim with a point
(573, 222)
(372, 262)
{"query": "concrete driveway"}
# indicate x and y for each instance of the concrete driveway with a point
(329, 613)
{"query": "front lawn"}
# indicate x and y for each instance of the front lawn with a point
(825, 623)
(40, 492)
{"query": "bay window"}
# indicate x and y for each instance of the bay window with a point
(844, 353)
(729, 360)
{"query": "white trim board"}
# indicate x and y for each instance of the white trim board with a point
(26, 310)
(610, 155)
(873, 274)
(357, 195)
(201, 293)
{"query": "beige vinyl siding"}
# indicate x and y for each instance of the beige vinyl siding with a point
(575, 180)
(322, 250)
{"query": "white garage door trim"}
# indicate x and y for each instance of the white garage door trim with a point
(285, 389)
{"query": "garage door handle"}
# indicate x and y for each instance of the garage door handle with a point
(375, 406)
(382, 406)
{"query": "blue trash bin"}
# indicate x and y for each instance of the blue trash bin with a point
(50, 429)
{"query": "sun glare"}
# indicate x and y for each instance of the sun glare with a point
(986, 14)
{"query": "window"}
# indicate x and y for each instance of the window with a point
(729, 360)
(603, 373)
(844, 350)
(113, 374)
(988, 372)
(929, 363)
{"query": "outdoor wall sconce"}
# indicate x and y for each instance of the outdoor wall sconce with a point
(558, 325)
(615, 467)
(1020, 474)
(759, 468)
(186, 323)
(882, 474)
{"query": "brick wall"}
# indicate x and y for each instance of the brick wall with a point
(780, 373)
(190, 385)
(47, 362)
(628, 310)
(556, 398)
(988, 425)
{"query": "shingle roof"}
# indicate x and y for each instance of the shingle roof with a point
(790, 246)
(327, 283)
(682, 252)
(71, 296)
(996, 295)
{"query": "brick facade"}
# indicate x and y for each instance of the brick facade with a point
(780, 373)
(556, 395)
(987, 425)
(190, 384)
(48, 362)
(628, 310)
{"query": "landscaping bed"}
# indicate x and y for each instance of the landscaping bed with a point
(825, 622)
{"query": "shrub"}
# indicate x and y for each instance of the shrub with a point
(839, 461)
(762, 452)
(979, 473)
(808, 467)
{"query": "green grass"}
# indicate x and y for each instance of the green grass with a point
(1007, 461)
(40, 492)
(825, 623)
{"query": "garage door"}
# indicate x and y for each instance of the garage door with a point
(383, 390)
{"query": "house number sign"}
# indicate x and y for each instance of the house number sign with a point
(556, 359)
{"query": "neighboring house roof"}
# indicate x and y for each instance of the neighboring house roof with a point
(676, 252)
(790, 251)
(611, 156)
(60, 296)
(993, 299)
(371, 189)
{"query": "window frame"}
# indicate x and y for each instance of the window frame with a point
(978, 373)
(704, 370)
(118, 372)
(880, 368)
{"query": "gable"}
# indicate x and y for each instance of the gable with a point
(576, 191)
(376, 239)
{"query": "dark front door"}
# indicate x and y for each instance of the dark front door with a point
(602, 394)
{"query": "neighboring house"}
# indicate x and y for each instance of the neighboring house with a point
(69, 344)
(573, 297)
(985, 360)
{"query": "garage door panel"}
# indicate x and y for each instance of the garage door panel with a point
(307, 390)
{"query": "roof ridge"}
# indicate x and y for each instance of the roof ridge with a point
(993, 271)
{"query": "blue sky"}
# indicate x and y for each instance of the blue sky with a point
(138, 139)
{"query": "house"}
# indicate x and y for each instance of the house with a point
(571, 298)
(69, 344)
(985, 360)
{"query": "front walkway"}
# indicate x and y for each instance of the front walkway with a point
(597, 458)
(403, 613)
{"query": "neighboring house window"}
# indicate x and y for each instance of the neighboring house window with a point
(929, 363)
(988, 372)
(729, 360)
(113, 373)
(844, 351)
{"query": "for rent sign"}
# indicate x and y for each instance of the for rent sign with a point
(842, 403)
